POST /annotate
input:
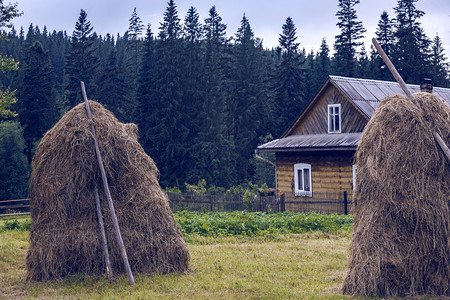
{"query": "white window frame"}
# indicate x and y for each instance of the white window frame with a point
(302, 189)
(354, 169)
(332, 115)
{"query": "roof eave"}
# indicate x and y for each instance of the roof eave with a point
(308, 149)
(307, 108)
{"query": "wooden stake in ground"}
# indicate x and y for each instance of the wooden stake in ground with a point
(107, 191)
(103, 234)
(405, 89)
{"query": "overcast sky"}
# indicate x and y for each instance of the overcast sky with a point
(314, 19)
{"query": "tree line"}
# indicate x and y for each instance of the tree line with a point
(202, 100)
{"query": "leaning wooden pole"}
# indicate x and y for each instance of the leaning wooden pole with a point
(103, 235)
(107, 191)
(405, 89)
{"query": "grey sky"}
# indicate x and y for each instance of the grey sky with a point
(314, 19)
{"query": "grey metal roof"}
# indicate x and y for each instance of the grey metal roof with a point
(366, 94)
(314, 142)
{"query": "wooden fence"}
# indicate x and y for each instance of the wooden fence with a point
(329, 202)
(14, 207)
(326, 202)
(204, 202)
(334, 202)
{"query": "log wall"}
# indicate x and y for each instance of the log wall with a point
(315, 120)
(330, 171)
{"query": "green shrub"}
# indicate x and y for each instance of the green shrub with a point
(17, 225)
(198, 189)
(172, 189)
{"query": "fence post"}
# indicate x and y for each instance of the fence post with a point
(282, 206)
(274, 204)
(345, 203)
(211, 198)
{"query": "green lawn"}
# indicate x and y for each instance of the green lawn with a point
(308, 265)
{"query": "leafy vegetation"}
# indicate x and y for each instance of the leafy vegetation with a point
(239, 223)
(242, 223)
(17, 225)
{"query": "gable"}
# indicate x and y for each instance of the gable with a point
(314, 120)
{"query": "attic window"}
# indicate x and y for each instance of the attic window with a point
(334, 118)
(302, 177)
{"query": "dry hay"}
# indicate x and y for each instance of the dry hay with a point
(64, 235)
(401, 239)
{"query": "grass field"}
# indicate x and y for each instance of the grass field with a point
(309, 265)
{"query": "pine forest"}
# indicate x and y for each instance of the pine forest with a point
(203, 101)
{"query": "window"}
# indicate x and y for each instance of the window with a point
(354, 168)
(302, 177)
(334, 118)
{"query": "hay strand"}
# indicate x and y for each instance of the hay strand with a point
(405, 89)
(401, 240)
(64, 235)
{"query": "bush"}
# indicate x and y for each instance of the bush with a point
(17, 225)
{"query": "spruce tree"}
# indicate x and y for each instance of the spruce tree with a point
(288, 81)
(385, 33)
(146, 112)
(347, 42)
(385, 37)
(364, 65)
(192, 26)
(323, 63)
(37, 107)
(81, 62)
(13, 173)
(310, 75)
(439, 64)
(247, 106)
(133, 52)
(168, 131)
(57, 47)
(213, 148)
(112, 89)
(170, 28)
(215, 30)
(192, 86)
(412, 47)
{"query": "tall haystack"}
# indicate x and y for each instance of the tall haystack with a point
(401, 236)
(64, 236)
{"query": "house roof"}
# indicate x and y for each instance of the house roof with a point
(364, 94)
(313, 142)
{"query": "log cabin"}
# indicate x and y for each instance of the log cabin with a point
(314, 157)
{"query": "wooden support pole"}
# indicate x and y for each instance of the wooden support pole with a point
(394, 71)
(442, 144)
(405, 89)
(123, 252)
(345, 203)
(103, 235)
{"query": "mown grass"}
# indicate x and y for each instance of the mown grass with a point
(307, 265)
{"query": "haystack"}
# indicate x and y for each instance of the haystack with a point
(64, 237)
(401, 237)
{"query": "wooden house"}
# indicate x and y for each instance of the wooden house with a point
(314, 157)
